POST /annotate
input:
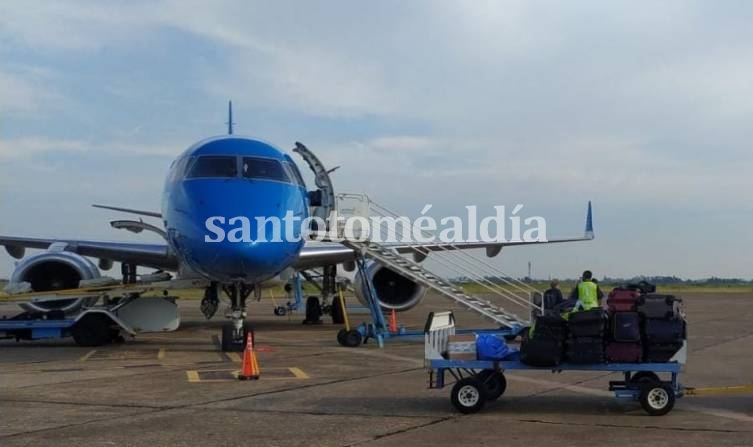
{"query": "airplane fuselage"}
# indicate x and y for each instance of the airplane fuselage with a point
(222, 180)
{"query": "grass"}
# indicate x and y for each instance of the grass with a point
(567, 286)
(278, 293)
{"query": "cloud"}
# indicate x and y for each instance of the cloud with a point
(496, 102)
(41, 146)
(74, 26)
(30, 146)
(26, 91)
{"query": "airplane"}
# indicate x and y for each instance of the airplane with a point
(227, 175)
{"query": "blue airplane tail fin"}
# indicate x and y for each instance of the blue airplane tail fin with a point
(589, 223)
(230, 118)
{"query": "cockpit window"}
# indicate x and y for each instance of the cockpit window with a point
(213, 166)
(295, 173)
(264, 168)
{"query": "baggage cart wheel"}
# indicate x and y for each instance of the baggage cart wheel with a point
(468, 395)
(349, 339)
(341, 336)
(657, 398)
(495, 383)
(644, 377)
(280, 311)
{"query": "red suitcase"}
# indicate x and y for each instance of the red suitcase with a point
(621, 300)
(624, 352)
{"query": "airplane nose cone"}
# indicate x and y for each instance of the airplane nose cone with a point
(247, 260)
(241, 261)
(206, 228)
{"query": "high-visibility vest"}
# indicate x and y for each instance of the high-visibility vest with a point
(588, 296)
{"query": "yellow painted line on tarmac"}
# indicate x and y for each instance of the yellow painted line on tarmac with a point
(193, 376)
(719, 390)
(233, 356)
(161, 354)
(298, 373)
(88, 354)
(229, 375)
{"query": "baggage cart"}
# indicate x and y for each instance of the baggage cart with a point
(655, 385)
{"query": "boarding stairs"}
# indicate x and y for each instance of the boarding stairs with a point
(412, 270)
(497, 298)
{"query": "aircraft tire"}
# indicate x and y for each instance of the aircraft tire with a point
(313, 311)
(92, 330)
(337, 311)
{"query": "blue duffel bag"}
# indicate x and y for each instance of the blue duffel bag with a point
(491, 347)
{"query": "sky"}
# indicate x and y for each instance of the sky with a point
(642, 107)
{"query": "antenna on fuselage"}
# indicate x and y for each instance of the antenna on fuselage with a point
(230, 118)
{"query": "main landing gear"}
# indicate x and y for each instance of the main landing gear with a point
(234, 331)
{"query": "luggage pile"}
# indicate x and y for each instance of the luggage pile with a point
(543, 344)
(586, 341)
(639, 326)
(624, 339)
(664, 326)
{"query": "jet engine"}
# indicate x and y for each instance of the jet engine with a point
(50, 271)
(394, 291)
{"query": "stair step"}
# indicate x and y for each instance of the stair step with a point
(410, 269)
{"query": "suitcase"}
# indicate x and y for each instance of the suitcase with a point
(587, 323)
(624, 352)
(657, 331)
(553, 327)
(622, 300)
(641, 287)
(584, 350)
(626, 327)
(660, 353)
(541, 351)
(659, 306)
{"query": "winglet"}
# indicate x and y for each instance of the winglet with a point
(589, 223)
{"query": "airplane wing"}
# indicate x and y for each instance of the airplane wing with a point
(150, 255)
(130, 210)
(314, 256)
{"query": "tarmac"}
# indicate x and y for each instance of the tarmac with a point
(177, 389)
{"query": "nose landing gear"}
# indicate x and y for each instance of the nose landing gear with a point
(234, 331)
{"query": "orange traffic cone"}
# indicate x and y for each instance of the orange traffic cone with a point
(249, 366)
(393, 321)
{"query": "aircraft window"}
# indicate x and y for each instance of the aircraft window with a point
(213, 166)
(295, 173)
(264, 168)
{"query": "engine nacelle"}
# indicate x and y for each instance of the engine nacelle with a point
(393, 290)
(54, 270)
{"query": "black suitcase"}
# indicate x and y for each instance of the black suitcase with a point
(660, 353)
(626, 327)
(541, 351)
(552, 327)
(584, 350)
(659, 331)
(653, 305)
(587, 323)
(641, 286)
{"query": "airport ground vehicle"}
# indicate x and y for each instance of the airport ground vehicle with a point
(98, 320)
(479, 381)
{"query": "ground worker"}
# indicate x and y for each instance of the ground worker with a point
(552, 297)
(586, 293)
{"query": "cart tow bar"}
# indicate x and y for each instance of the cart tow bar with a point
(718, 390)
